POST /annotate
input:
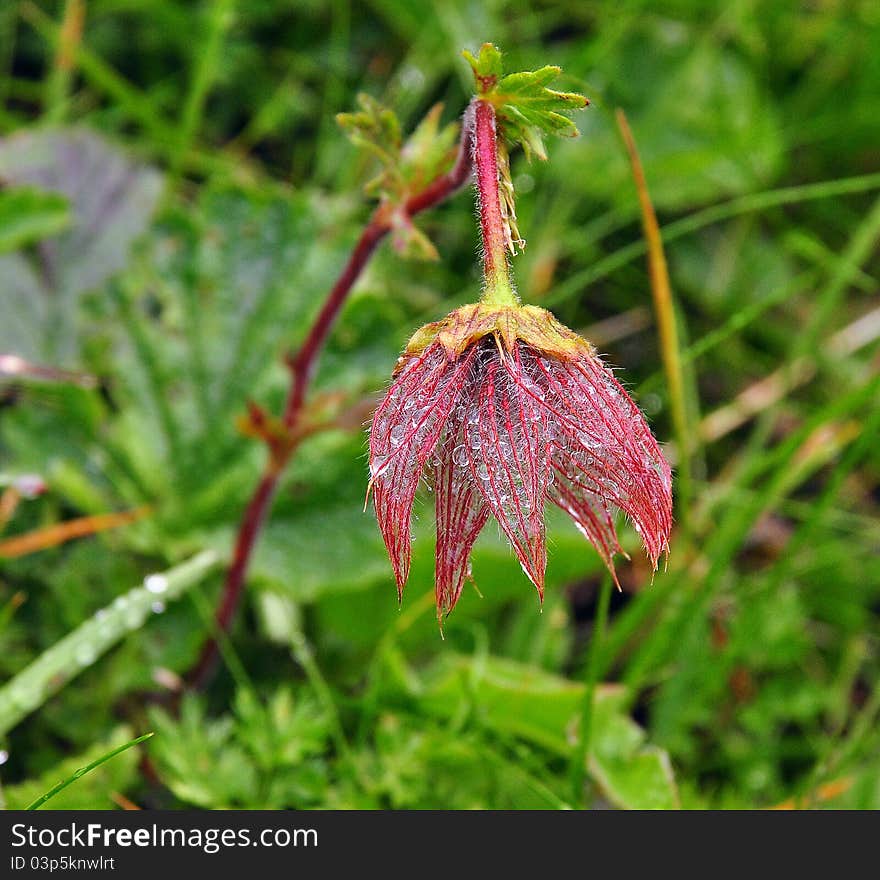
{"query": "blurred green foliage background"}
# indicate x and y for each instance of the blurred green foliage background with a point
(177, 199)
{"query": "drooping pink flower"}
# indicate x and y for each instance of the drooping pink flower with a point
(503, 409)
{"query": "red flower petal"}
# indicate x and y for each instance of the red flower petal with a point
(461, 514)
(508, 457)
(404, 432)
(603, 438)
(591, 514)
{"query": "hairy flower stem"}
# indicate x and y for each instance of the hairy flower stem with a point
(499, 289)
(302, 366)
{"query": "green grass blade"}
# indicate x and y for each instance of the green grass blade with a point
(83, 770)
(826, 189)
(78, 650)
(585, 731)
(207, 67)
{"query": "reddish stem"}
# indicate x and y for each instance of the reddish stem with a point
(303, 363)
(493, 226)
(302, 366)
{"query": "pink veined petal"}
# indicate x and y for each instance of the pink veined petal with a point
(508, 459)
(461, 514)
(591, 514)
(603, 439)
(404, 432)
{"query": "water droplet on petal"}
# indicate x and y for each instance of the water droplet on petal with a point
(397, 434)
(460, 456)
(483, 472)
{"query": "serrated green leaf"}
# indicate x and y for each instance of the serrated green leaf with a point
(405, 168)
(266, 755)
(429, 151)
(374, 128)
(487, 66)
(525, 107)
(529, 81)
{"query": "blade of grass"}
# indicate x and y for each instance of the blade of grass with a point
(129, 99)
(754, 203)
(137, 106)
(806, 343)
(8, 16)
(680, 625)
(827, 792)
(9, 501)
(751, 466)
(69, 38)
(18, 367)
(87, 769)
(666, 323)
(820, 507)
(738, 321)
(207, 67)
(680, 603)
(82, 647)
(507, 764)
(581, 751)
(227, 651)
(839, 751)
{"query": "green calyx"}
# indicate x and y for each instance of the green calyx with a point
(507, 324)
(526, 108)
